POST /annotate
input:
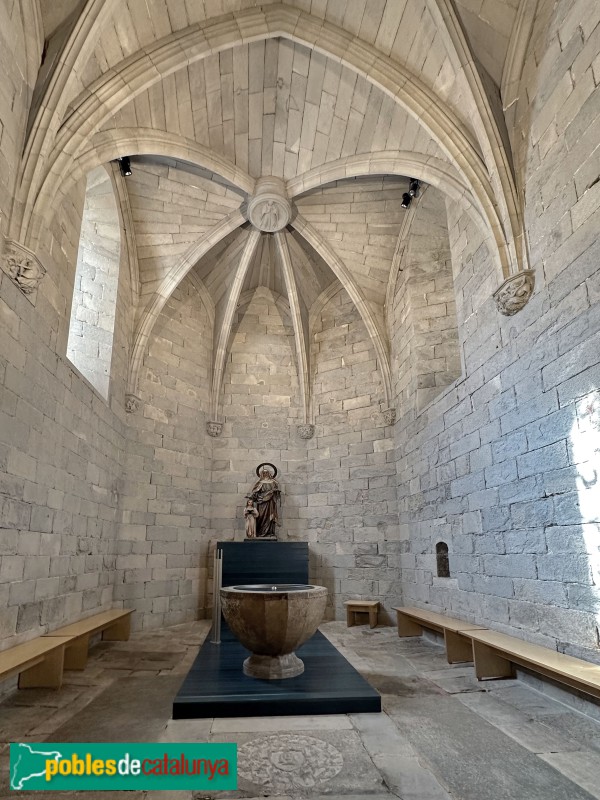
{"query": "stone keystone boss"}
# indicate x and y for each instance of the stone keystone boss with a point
(266, 496)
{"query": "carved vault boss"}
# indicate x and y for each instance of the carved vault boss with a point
(266, 497)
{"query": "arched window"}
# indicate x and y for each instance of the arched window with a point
(443, 563)
(92, 324)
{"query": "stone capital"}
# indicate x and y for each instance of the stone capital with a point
(515, 292)
(306, 431)
(214, 428)
(23, 267)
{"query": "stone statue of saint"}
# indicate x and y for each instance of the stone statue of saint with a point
(266, 494)
(250, 514)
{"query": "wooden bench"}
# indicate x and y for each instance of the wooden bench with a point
(114, 626)
(353, 607)
(456, 632)
(39, 662)
(495, 655)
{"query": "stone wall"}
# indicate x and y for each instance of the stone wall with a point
(422, 323)
(60, 456)
(165, 491)
(351, 517)
(261, 409)
(501, 466)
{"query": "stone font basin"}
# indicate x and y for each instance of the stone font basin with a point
(272, 620)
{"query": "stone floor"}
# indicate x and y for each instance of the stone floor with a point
(442, 735)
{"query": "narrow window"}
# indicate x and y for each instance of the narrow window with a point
(92, 324)
(443, 563)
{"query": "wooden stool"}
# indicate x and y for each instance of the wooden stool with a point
(353, 607)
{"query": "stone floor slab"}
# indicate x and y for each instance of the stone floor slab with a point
(408, 779)
(575, 726)
(17, 721)
(477, 761)
(526, 699)
(529, 732)
(327, 722)
(583, 768)
(46, 697)
(133, 710)
(380, 736)
(402, 686)
(439, 741)
(455, 681)
(186, 730)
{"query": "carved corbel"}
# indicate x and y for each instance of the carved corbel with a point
(214, 428)
(132, 403)
(515, 292)
(23, 267)
(389, 415)
(306, 431)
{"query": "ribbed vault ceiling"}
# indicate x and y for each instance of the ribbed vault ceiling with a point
(176, 204)
(358, 220)
(217, 95)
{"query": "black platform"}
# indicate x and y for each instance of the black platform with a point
(216, 686)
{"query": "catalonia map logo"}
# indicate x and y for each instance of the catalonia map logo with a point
(121, 766)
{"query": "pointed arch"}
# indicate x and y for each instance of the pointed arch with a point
(128, 236)
(50, 103)
(517, 52)
(429, 169)
(492, 136)
(109, 145)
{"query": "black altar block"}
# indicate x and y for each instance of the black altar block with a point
(216, 685)
(264, 562)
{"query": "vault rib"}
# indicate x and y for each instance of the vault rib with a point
(300, 329)
(223, 334)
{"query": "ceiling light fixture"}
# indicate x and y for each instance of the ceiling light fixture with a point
(406, 200)
(413, 187)
(125, 166)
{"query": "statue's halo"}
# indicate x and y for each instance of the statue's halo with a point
(266, 464)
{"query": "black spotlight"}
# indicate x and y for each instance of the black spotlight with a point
(125, 166)
(406, 200)
(413, 187)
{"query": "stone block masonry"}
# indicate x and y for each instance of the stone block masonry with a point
(500, 467)
(62, 452)
(161, 566)
(351, 519)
